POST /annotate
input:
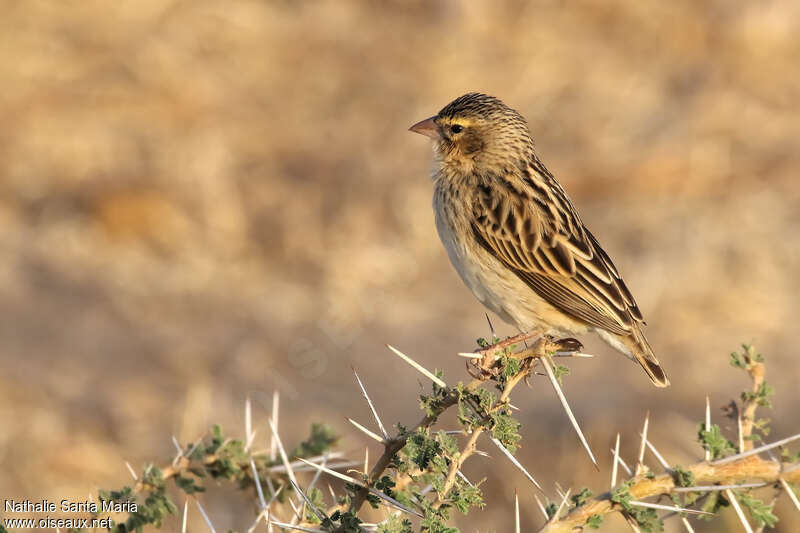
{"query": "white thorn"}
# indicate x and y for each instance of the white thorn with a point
(289, 472)
(622, 463)
(470, 355)
(732, 497)
(564, 403)
(297, 511)
(573, 354)
(282, 452)
(319, 514)
(178, 448)
(371, 406)
(615, 467)
(366, 461)
(559, 490)
(462, 476)
(561, 505)
(687, 525)
(131, 470)
(668, 508)
(367, 432)
(708, 426)
(248, 423)
(205, 517)
(541, 506)
(249, 442)
(791, 493)
(258, 484)
(516, 512)
(756, 450)
(516, 463)
(185, 514)
(419, 367)
(376, 492)
(261, 514)
(710, 488)
(295, 527)
(318, 473)
(660, 457)
(640, 463)
(276, 400)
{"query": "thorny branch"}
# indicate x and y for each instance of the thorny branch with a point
(486, 366)
(705, 475)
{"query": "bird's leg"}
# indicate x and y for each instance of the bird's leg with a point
(486, 366)
(492, 349)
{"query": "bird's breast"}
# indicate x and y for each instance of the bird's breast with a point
(494, 284)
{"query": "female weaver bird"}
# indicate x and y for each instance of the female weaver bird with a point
(514, 236)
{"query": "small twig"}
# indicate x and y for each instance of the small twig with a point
(748, 411)
(704, 473)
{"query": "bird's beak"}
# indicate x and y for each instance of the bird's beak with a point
(426, 127)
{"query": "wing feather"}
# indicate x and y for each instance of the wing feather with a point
(554, 254)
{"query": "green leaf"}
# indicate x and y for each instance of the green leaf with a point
(595, 521)
(322, 438)
(187, 484)
(712, 440)
(759, 511)
(682, 477)
(560, 371)
(581, 497)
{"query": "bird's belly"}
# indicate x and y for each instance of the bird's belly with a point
(500, 289)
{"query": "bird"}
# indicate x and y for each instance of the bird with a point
(514, 236)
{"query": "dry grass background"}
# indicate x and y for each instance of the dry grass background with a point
(201, 200)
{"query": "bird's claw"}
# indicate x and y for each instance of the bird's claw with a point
(488, 366)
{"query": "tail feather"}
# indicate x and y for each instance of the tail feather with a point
(641, 351)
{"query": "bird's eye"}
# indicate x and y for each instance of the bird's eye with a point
(455, 128)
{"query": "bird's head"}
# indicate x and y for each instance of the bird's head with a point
(477, 133)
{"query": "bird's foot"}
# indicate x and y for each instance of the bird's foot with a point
(488, 364)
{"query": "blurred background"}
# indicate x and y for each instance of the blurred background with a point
(205, 200)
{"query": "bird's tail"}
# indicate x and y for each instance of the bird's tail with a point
(640, 349)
